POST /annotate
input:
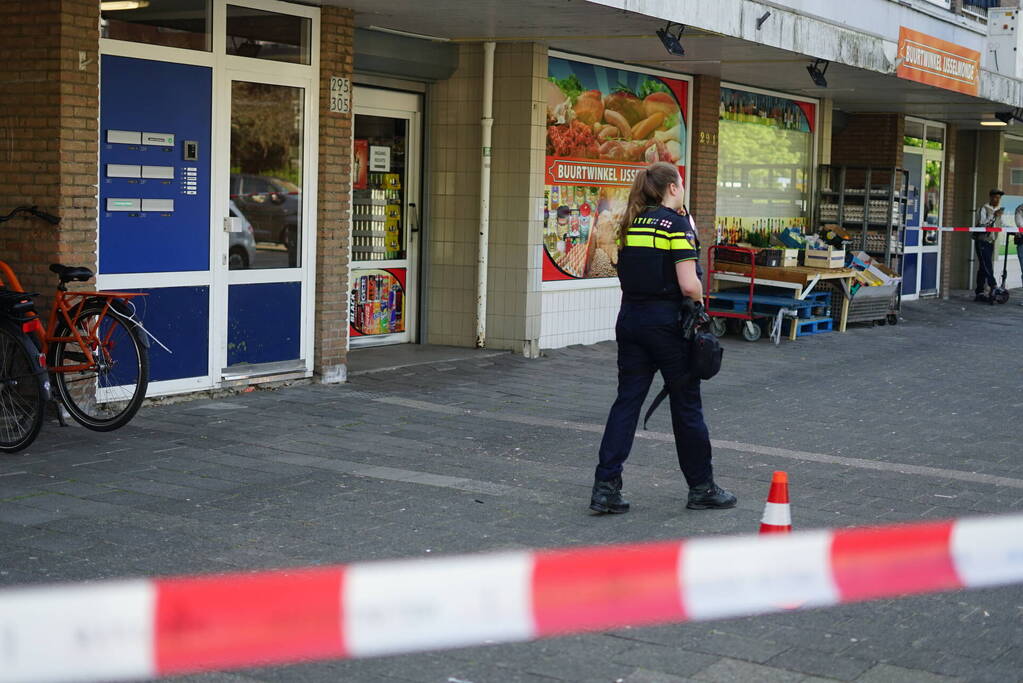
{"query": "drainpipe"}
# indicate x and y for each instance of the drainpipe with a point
(487, 123)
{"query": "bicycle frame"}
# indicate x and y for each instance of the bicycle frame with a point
(67, 307)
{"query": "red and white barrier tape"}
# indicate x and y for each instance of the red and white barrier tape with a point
(154, 627)
(973, 229)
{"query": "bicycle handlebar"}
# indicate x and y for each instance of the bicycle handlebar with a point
(48, 217)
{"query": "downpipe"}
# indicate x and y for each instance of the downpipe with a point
(482, 259)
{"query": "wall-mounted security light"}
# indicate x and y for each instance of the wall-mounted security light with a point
(672, 41)
(817, 73)
(115, 5)
(1004, 118)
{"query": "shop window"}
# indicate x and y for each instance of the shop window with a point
(935, 138)
(765, 159)
(1012, 168)
(172, 23)
(914, 136)
(267, 35)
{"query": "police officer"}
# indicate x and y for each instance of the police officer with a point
(657, 267)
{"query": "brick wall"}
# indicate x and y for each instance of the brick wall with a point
(869, 140)
(49, 133)
(703, 176)
(334, 219)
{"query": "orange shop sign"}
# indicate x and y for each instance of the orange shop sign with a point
(930, 60)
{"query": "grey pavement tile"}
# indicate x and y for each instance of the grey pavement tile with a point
(728, 670)
(816, 663)
(641, 675)
(886, 673)
(18, 514)
(665, 658)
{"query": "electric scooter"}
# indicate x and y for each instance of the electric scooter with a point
(1000, 294)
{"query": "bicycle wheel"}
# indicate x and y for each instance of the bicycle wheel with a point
(105, 397)
(22, 390)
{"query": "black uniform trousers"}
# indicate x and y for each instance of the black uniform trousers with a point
(649, 339)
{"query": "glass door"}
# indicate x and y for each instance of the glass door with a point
(266, 184)
(385, 222)
(924, 158)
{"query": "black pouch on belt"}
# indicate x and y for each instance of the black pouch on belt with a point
(705, 352)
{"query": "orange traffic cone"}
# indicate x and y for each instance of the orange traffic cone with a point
(777, 518)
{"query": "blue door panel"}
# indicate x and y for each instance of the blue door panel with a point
(264, 323)
(928, 272)
(909, 274)
(180, 318)
(140, 96)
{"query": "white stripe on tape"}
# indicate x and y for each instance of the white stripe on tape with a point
(730, 577)
(75, 633)
(392, 607)
(777, 514)
(988, 552)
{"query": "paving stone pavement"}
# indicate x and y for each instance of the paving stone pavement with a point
(907, 422)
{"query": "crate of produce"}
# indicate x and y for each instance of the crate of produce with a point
(824, 258)
(789, 258)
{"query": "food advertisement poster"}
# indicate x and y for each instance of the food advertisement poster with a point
(377, 302)
(603, 125)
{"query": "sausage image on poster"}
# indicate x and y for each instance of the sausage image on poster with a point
(603, 124)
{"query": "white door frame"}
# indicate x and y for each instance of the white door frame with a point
(408, 107)
(920, 249)
(218, 277)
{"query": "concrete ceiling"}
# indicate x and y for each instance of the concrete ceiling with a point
(580, 27)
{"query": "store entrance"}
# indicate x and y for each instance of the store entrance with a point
(924, 158)
(266, 177)
(385, 217)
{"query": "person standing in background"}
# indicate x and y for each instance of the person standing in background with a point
(1018, 239)
(984, 246)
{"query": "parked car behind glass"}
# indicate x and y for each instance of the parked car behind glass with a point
(273, 206)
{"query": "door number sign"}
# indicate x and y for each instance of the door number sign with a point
(340, 95)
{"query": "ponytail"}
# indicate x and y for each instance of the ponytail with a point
(648, 189)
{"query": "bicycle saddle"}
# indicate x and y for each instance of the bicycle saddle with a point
(71, 273)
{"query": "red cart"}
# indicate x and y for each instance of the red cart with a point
(719, 316)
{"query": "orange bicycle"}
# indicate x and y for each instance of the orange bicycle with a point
(95, 348)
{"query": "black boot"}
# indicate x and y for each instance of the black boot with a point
(607, 497)
(710, 496)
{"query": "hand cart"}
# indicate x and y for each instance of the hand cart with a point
(719, 317)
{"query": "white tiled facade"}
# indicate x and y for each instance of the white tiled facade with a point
(579, 316)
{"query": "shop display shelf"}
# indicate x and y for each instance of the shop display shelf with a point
(809, 326)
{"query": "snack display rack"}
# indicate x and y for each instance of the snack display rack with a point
(872, 204)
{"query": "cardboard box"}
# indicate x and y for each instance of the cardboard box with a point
(824, 258)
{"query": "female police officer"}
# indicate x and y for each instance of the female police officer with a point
(657, 268)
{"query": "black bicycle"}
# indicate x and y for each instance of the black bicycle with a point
(24, 382)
